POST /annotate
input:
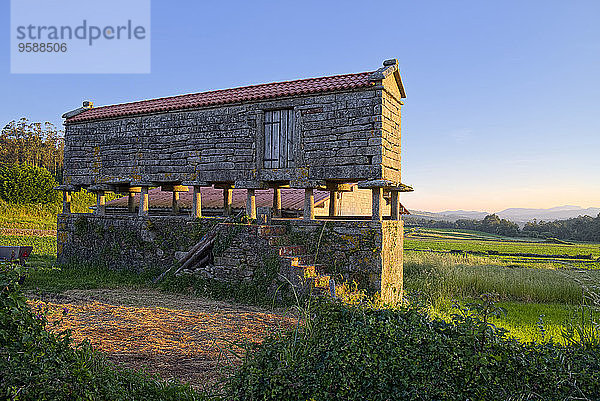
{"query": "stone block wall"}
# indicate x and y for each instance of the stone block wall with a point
(357, 251)
(351, 136)
(347, 250)
(390, 129)
(140, 243)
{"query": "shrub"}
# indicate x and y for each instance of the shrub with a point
(23, 184)
(36, 364)
(354, 353)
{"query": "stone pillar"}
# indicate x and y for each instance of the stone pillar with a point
(333, 203)
(395, 207)
(144, 206)
(100, 203)
(227, 201)
(377, 204)
(251, 204)
(309, 204)
(277, 202)
(196, 202)
(66, 202)
(175, 204)
(131, 202)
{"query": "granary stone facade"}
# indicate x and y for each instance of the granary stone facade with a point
(318, 133)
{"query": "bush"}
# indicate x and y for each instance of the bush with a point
(353, 353)
(37, 364)
(24, 184)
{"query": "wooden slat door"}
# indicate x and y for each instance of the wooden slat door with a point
(279, 139)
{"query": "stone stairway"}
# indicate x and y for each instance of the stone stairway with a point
(295, 257)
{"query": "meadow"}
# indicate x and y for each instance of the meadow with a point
(543, 294)
(541, 297)
(549, 306)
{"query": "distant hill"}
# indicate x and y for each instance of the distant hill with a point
(554, 213)
(517, 215)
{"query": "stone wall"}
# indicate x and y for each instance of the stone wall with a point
(354, 250)
(141, 243)
(347, 250)
(341, 136)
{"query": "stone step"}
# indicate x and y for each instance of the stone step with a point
(322, 281)
(300, 260)
(267, 231)
(291, 250)
(310, 271)
(278, 240)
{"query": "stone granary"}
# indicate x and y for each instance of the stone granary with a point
(337, 134)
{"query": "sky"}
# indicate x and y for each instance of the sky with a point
(503, 97)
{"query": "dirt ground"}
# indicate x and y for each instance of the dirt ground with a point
(192, 339)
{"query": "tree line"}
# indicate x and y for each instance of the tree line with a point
(33, 143)
(582, 228)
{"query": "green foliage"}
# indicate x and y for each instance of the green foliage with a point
(85, 276)
(34, 143)
(25, 184)
(582, 228)
(37, 364)
(43, 246)
(504, 251)
(453, 276)
(265, 289)
(352, 353)
(32, 216)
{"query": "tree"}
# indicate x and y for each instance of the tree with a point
(24, 183)
(36, 144)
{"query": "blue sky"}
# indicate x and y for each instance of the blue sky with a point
(503, 98)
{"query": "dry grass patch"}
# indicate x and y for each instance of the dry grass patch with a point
(172, 335)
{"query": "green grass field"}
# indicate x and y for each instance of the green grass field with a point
(540, 254)
(542, 291)
(527, 290)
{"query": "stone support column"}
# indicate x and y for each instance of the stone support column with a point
(333, 203)
(175, 204)
(131, 202)
(395, 206)
(66, 202)
(277, 202)
(309, 204)
(227, 201)
(196, 202)
(100, 203)
(251, 203)
(377, 204)
(144, 205)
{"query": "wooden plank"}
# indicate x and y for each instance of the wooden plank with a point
(268, 134)
(291, 139)
(283, 139)
(276, 130)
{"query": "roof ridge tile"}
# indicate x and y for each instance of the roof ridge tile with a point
(226, 96)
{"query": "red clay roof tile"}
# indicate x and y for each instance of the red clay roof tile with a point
(224, 96)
